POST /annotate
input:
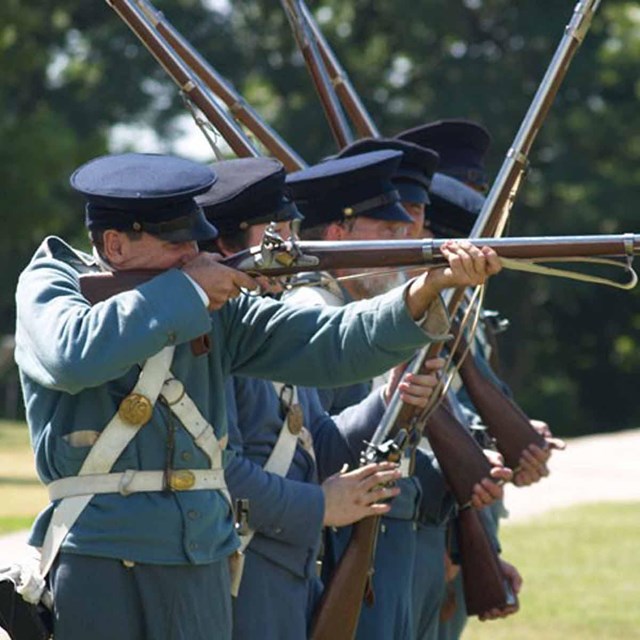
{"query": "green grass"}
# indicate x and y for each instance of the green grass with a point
(582, 576)
(14, 436)
(22, 494)
(9, 524)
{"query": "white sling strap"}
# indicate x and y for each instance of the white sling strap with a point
(112, 442)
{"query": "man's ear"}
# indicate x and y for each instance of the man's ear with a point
(335, 231)
(224, 247)
(116, 245)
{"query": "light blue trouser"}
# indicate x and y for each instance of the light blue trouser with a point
(273, 603)
(101, 599)
(428, 580)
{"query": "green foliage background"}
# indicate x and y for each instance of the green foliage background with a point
(72, 70)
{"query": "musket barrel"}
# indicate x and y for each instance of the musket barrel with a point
(138, 22)
(506, 185)
(343, 87)
(368, 254)
(309, 49)
(237, 106)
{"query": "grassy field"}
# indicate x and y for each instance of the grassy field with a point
(21, 494)
(581, 568)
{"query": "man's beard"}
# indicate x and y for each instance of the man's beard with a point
(373, 285)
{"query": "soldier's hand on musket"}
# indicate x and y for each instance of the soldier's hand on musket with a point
(489, 490)
(414, 388)
(545, 431)
(468, 266)
(353, 495)
(219, 282)
(512, 575)
(533, 463)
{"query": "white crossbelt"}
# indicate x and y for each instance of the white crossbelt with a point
(112, 442)
(194, 422)
(279, 463)
(283, 452)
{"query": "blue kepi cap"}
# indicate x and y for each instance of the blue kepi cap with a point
(248, 191)
(462, 146)
(146, 192)
(413, 175)
(454, 207)
(343, 188)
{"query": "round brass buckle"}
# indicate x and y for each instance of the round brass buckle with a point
(135, 409)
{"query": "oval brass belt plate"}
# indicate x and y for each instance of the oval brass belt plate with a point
(181, 479)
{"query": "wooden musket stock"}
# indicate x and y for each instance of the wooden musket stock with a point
(333, 618)
(504, 419)
(484, 585)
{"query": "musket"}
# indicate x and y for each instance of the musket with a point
(308, 47)
(278, 257)
(187, 81)
(463, 461)
(238, 107)
(347, 95)
(495, 211)
(492, 221)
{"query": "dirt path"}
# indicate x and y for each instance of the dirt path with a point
(601, 468)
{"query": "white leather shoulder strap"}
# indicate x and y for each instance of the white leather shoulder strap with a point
(112, 442)
(283, 452)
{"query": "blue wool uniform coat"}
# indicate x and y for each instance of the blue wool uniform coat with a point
(279, 586)
(77, 362)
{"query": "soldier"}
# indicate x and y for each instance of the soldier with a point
(461, 146)
(321, 198)
(453, 209)
(128, 424)
(285, 429)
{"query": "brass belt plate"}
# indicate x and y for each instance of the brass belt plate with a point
(135, 409)
(181, 479)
